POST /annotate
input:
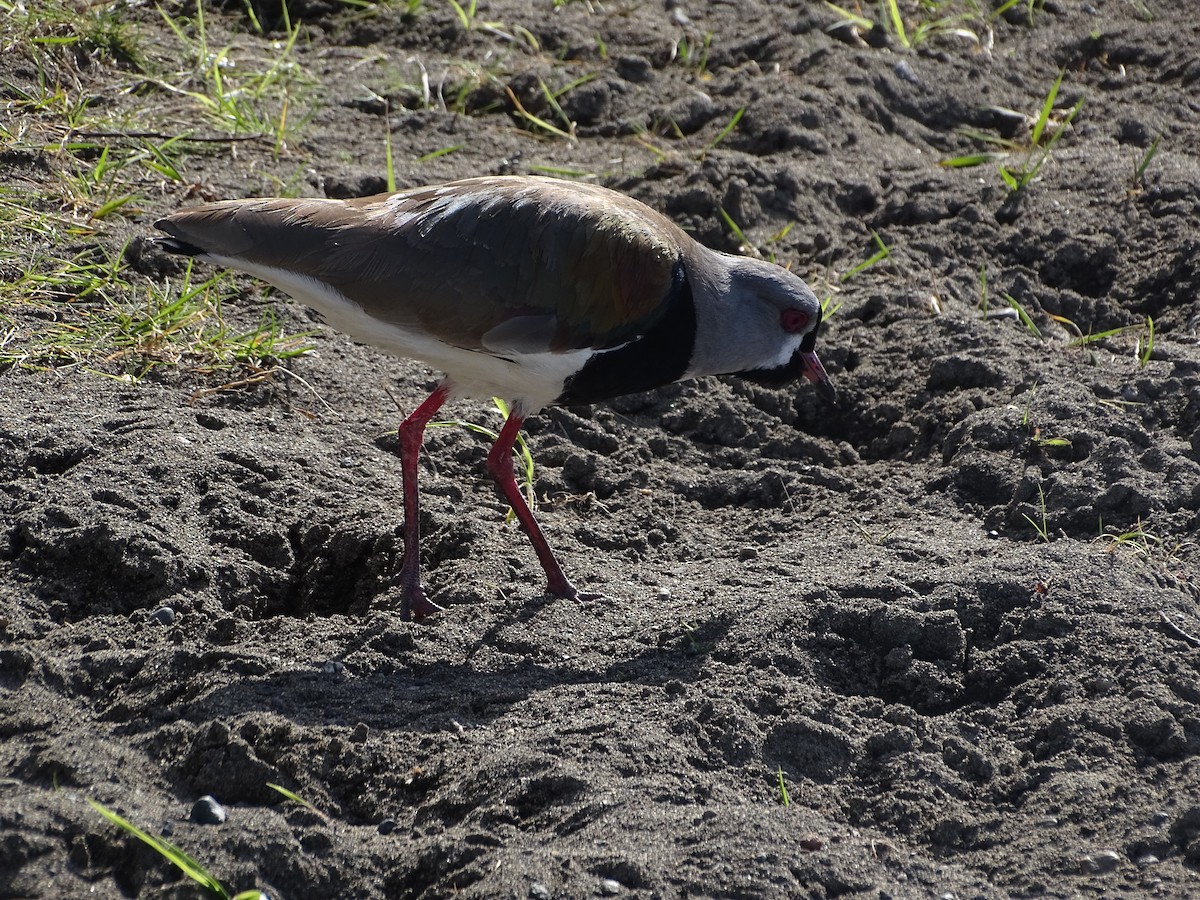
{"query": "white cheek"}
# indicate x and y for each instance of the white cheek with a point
(786, 351)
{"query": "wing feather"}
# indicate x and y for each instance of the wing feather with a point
(582, 266)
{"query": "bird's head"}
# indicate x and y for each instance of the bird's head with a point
(769, 326)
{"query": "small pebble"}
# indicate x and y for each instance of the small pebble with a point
(539, 891)
(333, 667)
(164, 615)
(1146, 859)
(610, 887)
(747, 553)
(905, 71)
(1161, 817)
(1104, 861)
(360, 733)
(207, 811)
(387, 826)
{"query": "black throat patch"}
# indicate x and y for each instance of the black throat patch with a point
(659, 356)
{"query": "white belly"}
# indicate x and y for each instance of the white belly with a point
(533, 380)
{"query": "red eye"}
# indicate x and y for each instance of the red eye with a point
(793, 320)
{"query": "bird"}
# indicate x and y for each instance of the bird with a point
(538, 291)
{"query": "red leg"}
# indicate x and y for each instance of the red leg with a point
(413, 602)
(499, 465)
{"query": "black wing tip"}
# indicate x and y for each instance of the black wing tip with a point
(176, 245)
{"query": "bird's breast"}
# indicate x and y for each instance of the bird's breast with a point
(660, 355)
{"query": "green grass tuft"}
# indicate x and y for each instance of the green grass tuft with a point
(1021, 160)
(82, 311)
(1039, 524)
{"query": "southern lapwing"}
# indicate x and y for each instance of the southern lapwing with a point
(537, 291)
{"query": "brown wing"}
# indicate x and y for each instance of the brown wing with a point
(528, 263)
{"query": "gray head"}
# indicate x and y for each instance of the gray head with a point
(758, 321)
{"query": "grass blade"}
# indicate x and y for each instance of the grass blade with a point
(1140, 171)
(879, 255)
(967, 161)
(1041, 528)
(444, 151)
(1092, 337)
(897, 22)
(462, 14)
(849, 18)
(561, 171)
(1048, 107)
(111, 206)
(737, 232)
(161, 164)
(1024, 316)
(534, 120)
(737, 117)
(291, 795)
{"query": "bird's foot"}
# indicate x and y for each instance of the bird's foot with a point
(415, 605)
(564, 590)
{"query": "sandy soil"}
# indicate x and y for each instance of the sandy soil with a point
(856, 599)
